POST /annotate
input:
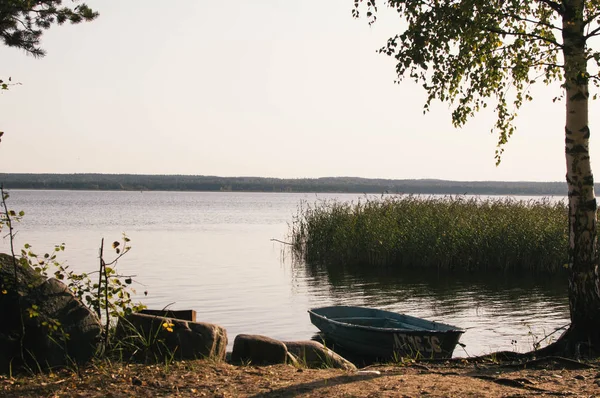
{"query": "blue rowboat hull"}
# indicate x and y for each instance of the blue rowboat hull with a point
(374, 333)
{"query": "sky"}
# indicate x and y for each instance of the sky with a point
(269, 88)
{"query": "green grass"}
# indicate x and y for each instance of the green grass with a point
(453, 232)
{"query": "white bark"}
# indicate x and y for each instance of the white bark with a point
(584, 292)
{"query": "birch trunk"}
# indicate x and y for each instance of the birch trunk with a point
(584, 287)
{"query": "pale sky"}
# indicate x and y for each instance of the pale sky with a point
(270, 88)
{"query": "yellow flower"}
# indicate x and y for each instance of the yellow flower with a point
(4, 291)
(168, 326)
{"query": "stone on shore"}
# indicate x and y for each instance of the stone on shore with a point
(313, 354)
(258, 350)
(263, 350)
(154, 338)
(40, 304)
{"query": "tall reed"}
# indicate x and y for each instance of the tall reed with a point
(453, 232)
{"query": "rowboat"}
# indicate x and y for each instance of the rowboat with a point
(374, 333)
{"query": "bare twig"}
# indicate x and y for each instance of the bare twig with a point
(565, 362)
(537, 343)
(106, 303)
(280, 241)
(515, 383)
(11, 235)
(100, 272)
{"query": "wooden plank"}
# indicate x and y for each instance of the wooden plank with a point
(186, 315)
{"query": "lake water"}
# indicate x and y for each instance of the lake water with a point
(212, 252)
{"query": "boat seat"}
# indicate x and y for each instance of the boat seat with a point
(377, 322)
(396, 324)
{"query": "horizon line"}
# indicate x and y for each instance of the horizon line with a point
(279, 178)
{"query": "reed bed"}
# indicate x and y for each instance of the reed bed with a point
(454, 232)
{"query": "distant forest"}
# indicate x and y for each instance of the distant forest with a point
(137, 182)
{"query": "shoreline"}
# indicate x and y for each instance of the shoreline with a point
(334, 185)
(206, 378)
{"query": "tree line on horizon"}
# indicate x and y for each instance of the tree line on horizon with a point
(136, 182)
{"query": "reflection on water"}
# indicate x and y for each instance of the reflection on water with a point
(212, 252)
(499, 312)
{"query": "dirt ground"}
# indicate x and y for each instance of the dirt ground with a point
(549, 377)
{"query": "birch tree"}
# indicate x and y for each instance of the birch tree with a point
(475, 54)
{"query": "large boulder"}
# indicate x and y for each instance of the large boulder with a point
(153, 338)
(313, 354)
(258, 350)
(43, 323)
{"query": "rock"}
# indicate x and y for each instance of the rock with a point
(154, 338)
(258, 350)
(316, 355)
(52, 301)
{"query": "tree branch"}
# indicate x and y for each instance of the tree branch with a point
(554, 5)
(592, 33)
(532, 21)
(590, 19)
(528, 35)
(27, 28)
(280, 241)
